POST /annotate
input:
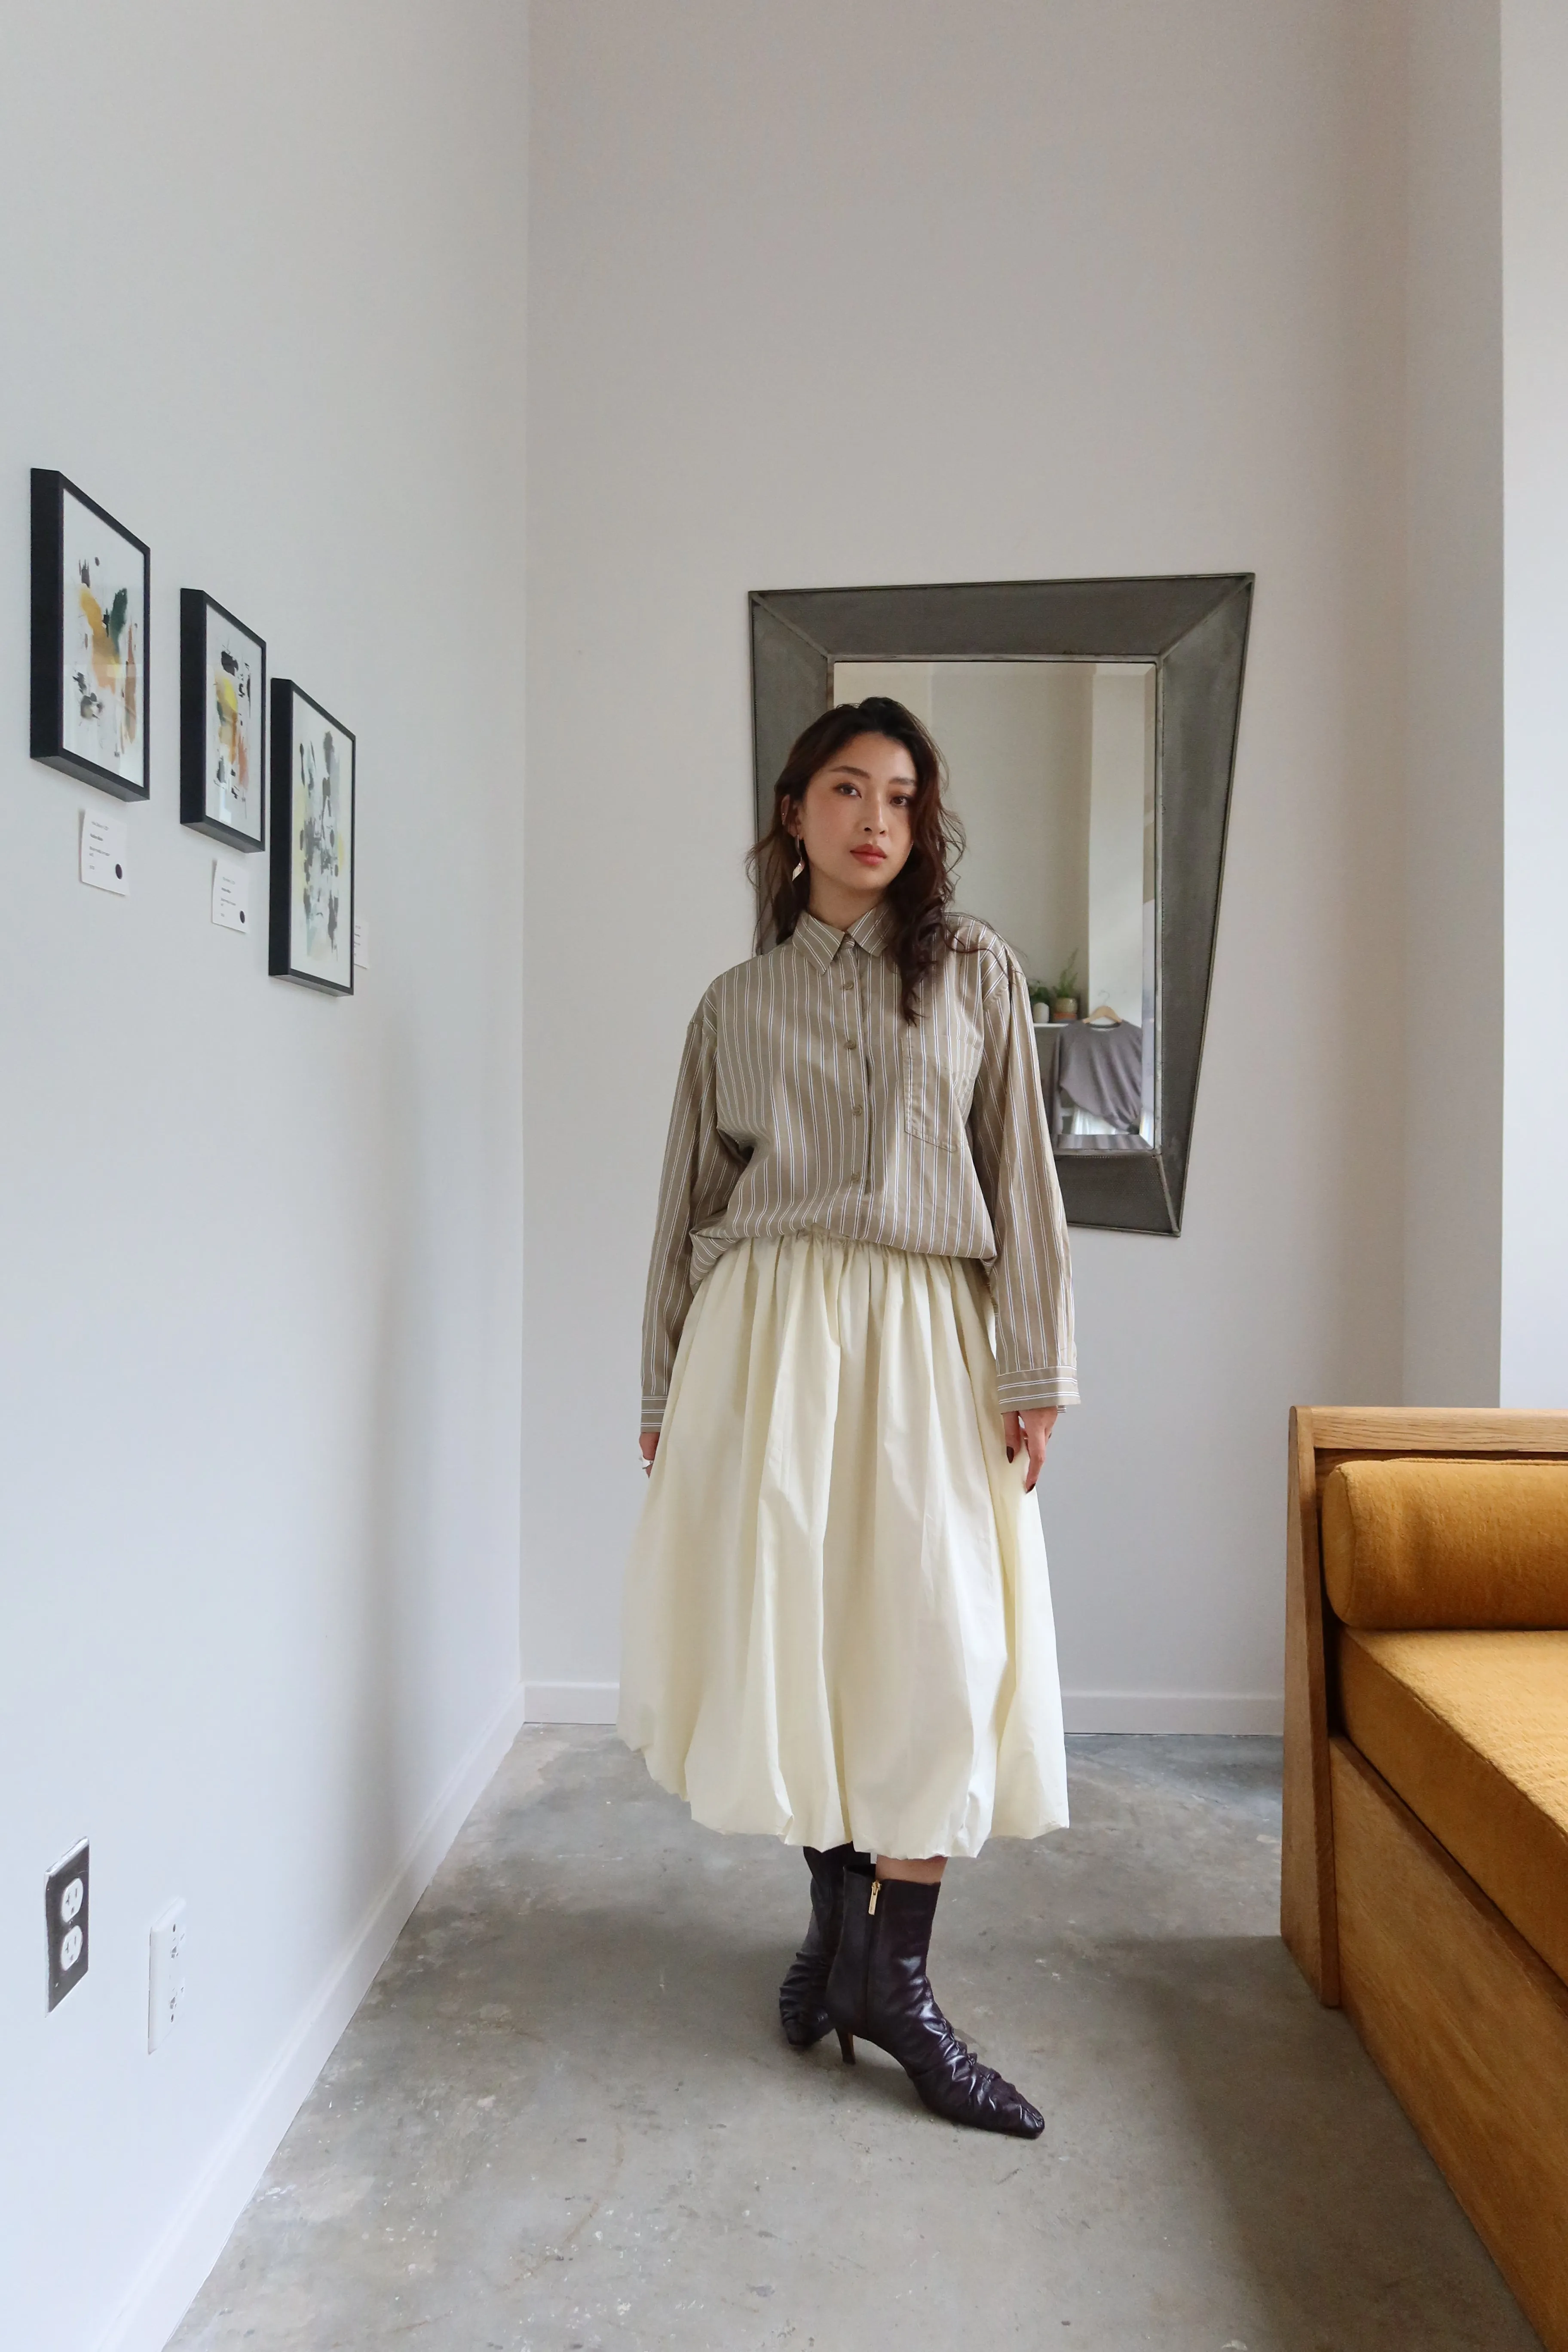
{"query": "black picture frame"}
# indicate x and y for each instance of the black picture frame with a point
(312, 924)
(78, 642)
(1192, 629)
(215, 784)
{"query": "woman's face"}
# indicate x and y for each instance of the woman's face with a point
(855, 819)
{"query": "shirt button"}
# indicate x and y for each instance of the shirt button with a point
(855, 1110)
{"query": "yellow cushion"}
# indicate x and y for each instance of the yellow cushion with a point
(1417, 1545)
(1472, 1730)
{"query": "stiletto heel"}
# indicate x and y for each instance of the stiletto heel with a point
(847, 2046)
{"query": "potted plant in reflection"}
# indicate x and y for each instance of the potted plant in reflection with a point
(1063, 991)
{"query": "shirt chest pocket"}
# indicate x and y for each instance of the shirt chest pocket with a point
(936, 1080)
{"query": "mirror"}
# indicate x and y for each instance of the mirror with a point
(1051, 771)
(1089, 730)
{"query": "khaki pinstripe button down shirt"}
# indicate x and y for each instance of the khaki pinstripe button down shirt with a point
(806, 1104)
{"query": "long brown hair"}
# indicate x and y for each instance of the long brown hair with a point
(920, 893)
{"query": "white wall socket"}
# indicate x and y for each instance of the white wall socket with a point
(166, 1976)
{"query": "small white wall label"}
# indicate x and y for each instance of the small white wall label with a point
(103, 852)
(361, 944)
(228, 895)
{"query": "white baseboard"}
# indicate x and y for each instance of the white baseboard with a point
(570, 1702)
(170, 2278)
(1213, 1711)
(1146, 1711)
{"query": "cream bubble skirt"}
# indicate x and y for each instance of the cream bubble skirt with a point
(837, 1619)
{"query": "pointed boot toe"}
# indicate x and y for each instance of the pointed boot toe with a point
(962, 2090)
(1028, 2123)
(801, 2014)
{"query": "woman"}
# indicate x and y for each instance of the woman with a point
(837, 1621)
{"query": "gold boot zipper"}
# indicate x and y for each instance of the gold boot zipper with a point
(871, 1906)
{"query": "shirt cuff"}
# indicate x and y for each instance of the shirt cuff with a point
(1028, 1391)
(653, 1412)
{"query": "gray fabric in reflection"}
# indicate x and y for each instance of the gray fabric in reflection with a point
(1102, 1071)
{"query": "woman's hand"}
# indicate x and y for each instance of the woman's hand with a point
(1027, 1433)
(649, 1443)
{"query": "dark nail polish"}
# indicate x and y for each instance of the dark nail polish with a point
(1009, 1453)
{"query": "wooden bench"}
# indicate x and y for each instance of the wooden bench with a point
(1461, 2015)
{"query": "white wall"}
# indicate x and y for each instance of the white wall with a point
(905, 292)
(259, 1346)
(1487, 815)
(1017, 736)
(1535, 271)
(1116, 841)
(1453, 994)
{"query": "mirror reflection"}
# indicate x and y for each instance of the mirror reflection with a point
(1052, 765)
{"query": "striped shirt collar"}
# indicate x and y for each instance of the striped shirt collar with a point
(873, 931)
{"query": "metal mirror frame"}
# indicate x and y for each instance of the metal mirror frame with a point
(1194, 629)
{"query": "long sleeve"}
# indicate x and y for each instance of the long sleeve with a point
(699, 1173)
(1031, 1275)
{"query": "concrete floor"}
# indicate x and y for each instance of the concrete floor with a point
(564, 2116)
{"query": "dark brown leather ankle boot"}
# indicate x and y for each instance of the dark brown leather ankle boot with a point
(877, 1987)
(801, 2010)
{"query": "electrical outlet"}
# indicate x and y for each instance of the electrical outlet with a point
(166, 1976)
(65, 1921)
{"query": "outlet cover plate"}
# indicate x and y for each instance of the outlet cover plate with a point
(64, 1920)
(166, 1975)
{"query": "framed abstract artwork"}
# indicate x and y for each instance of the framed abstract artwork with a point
(311, 936)
(91, 596)
(223, 707)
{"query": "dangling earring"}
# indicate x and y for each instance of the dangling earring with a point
(798, 868)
